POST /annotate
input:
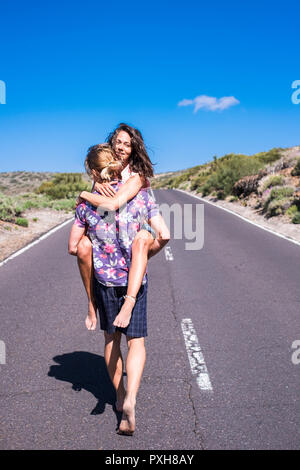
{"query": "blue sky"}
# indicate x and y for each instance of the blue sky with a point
(74, 70)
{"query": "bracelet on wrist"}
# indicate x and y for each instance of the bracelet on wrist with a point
(133, 299)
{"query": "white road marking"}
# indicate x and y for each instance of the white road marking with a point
(169, 254)
(152, 194)
(42, 237)
(195, 355)
(241, 217)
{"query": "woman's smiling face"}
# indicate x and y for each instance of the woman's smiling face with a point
(123, 146)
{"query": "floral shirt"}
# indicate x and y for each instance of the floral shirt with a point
(112, 234)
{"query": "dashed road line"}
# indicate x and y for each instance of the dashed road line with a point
(169, 254)
(195, 355)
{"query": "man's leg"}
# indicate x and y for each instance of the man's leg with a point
(135, 363)
(114, 363)
(85, 264)
(139, 258)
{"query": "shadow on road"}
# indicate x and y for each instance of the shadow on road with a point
(85, 370)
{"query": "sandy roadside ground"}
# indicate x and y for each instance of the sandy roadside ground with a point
(280, 224)
(14, 237)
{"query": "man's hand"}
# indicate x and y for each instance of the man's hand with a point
(105, 189)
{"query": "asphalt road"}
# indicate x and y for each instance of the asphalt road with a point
(241, 293)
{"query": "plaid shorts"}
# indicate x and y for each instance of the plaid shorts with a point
(109, 302)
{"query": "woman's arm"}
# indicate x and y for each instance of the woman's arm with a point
(123, 195)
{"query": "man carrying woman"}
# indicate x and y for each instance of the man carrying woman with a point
(114, 253)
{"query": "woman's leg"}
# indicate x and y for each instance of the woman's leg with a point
(114, 363)
(85, 264)
(139, 258)
(135, 363)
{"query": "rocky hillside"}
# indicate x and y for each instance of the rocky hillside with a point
(19, 182)
(267, 182)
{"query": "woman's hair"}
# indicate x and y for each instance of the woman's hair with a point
(139, 161)
(102, 160)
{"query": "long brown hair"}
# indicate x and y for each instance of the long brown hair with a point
(139, 160)
(101, 163)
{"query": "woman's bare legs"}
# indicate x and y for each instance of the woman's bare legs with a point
(85, 264)
(135, 363)
(114, 363)
(139, 258)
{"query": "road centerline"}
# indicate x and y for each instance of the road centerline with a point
(195, 355)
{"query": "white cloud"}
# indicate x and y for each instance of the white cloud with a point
(210, 102)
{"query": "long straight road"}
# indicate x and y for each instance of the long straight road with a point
(233, 304)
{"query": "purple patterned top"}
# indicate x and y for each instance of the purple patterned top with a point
(112, 234)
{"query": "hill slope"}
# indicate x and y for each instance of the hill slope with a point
(268, 182)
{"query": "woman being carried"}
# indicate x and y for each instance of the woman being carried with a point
(128, 145)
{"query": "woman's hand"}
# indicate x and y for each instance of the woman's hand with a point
(105, 189)
(79, 200)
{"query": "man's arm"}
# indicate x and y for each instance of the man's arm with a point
(162, 233)
(75, 237)
(123, 195)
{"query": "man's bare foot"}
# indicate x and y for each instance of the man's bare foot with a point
(91, 318)
(123, 318)
(127, 424)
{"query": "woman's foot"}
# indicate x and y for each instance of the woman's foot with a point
(127, 424)
(91, 318)
(123, 318)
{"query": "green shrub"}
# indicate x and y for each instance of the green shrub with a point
(180, 179)
(296, 218)
(64, 186)
(198, 181)
(278, 206)
(21, 221)
(7, 209)
(7, 214)
(277, 193)
(229, 170)
(292, 210)
(269, 157)
(31, 204)
(18, 211)
(64, 204)
(276, 180)
(296, 170)
(35, 219)
(44, 187)
(280, 192)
